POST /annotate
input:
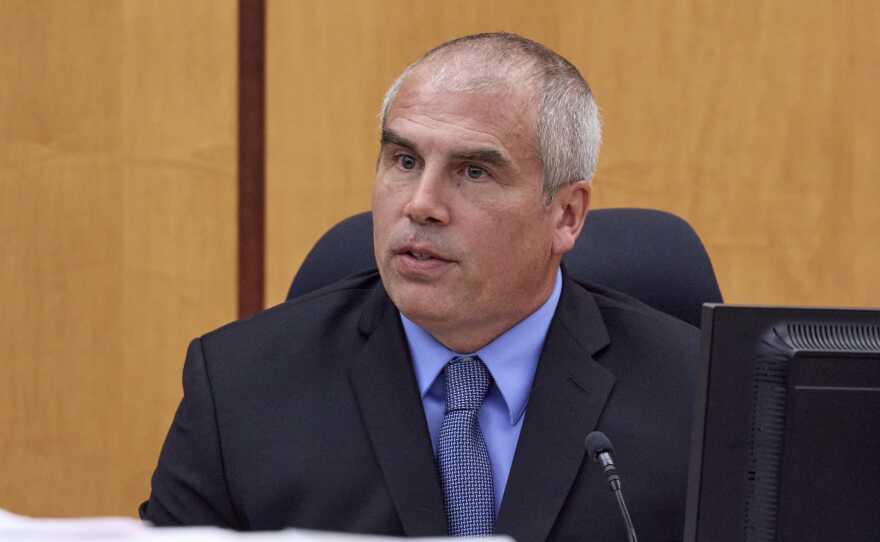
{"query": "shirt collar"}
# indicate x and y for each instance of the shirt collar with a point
(511, 358)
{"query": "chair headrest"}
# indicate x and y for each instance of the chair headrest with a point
(651, 255)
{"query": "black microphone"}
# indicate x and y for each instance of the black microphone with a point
(600, 449)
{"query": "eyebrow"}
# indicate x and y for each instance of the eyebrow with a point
(390, 137)
(486, 156)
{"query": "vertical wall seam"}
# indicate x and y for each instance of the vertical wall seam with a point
(251, 155)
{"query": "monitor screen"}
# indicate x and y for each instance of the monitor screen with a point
(786, 437)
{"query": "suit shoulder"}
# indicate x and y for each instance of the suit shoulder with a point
(338, 304)
(615, 305)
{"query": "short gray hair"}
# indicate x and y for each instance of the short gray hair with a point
(568, 131)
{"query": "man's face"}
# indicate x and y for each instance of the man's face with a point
(463, 239)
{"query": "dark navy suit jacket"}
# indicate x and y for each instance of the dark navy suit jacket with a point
(308, 415)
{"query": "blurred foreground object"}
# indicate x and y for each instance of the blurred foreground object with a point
(15, 528)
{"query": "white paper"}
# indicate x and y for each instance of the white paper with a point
(15, 528)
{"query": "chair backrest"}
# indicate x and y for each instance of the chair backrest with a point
(651, 255)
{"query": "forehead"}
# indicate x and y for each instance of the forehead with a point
(502, 115)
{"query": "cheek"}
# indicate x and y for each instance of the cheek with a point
(384, 203)
(499, 241)
(390, 195)
(520, 241)
(381, 221)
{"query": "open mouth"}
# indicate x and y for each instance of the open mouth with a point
(419, 253)
(419, 263)
(421, 256)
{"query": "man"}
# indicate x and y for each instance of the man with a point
(451, 392)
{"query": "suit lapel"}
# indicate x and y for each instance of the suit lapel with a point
(387, 393)
(567, 398)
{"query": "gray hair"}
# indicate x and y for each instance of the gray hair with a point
(568, 132)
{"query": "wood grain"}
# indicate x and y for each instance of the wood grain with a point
(756, 121)
(117, 229)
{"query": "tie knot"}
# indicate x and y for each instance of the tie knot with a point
(467, 381)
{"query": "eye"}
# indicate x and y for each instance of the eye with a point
(475, 172)
(406, 161)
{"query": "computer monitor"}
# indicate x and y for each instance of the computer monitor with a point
(786, 437)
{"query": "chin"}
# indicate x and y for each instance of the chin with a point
(418, 304)
(421, 311)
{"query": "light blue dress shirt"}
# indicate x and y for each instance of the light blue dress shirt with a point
(512, 360)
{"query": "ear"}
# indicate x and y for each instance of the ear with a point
(570, 206)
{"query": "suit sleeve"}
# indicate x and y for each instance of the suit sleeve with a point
(189, 486)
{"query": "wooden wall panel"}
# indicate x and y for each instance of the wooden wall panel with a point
(117, 230)
(756, 121)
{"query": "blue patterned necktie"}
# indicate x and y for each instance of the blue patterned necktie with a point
(465, 470)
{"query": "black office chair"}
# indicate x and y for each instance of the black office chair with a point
(651, 255)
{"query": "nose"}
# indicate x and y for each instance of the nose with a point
(427, 204)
